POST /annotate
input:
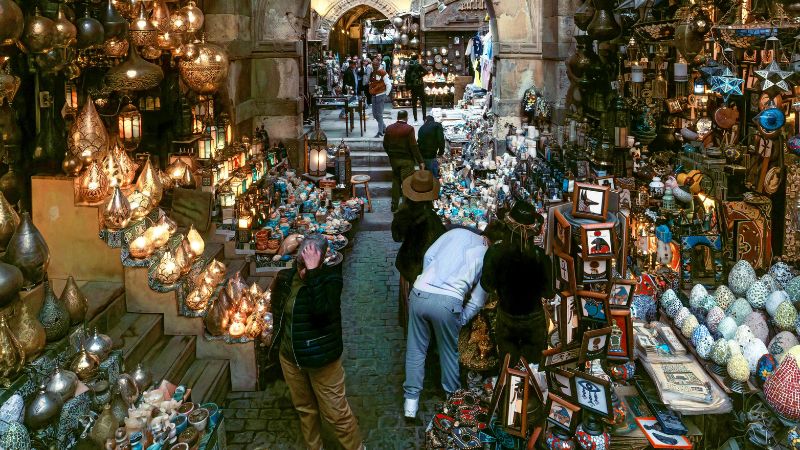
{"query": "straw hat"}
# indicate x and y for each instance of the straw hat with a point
(421, 186)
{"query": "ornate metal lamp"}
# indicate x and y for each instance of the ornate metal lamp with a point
(130, 126)
(317, 152)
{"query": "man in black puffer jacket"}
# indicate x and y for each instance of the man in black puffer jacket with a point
(308, 337)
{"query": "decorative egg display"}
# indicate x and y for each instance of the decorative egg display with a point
(720, 353)
(793, 289)
(713, 318)
(781, 273)
(697, 295)
(724, 297)
(769, 282)
(11, 411)
(704, 346)
(775, 299)
(699, 333)
(734, 347)
(15, 437)
(737, 368)
(683, 313)
(743, 335)
(757, 322)
(753, 351)
(785, 316)
(739, 310)
(688, 326)
(741, 277)
(727, 328)
(765, 368)
(757, 295)
(644, 308)
(671, 305)
(782, 389)
(781, 343)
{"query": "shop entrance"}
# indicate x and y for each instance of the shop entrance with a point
(361, 30)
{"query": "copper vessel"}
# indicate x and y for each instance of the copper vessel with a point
(75, 302)
(42, 409)
(28, 251)
(53, 315)
(39, 33)
(117, 211)
(28, 330)
(12, 22)
(65, 33)
(11, 281)
(85, 365)
(12, 355)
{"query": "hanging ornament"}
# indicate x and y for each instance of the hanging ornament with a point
(90, 32)
(178, 22)
(159, 17)
(88, 133)
(775, 80)
(135, 74)
(65, 33)
(726, 84)
(206, 72)
(114, 25)
(38, 34)
(194, 17)
(142, 31)
(12, 22)
(128, 8)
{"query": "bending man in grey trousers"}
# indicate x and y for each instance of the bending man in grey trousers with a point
(451, 272)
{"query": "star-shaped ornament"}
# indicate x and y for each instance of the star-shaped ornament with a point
(711, 69)
(726, 84)
(774, 79)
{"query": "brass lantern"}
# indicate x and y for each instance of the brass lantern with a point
(135, 74)
(112, 170)
(149, 184)
(205, 147)
(317, 148)
(177, 169)
(159, 17)
(93, 186)
(71, 98)
(207, 70)
(343, 164)
(168, 270)
(88, 134)
(141, 31)
(129, 122)
(194, 17)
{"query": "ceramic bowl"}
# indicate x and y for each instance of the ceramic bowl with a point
(181, 422)
(186, 408)
(199, 419)
(180, 446)
(190, 435)
(214, 413)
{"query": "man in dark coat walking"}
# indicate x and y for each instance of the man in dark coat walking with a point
(415, 83)
(431, 143)
(401, 146)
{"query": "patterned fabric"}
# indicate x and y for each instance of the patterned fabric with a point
(748, 230)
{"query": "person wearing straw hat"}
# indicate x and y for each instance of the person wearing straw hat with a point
(417, 226)
(519, 272)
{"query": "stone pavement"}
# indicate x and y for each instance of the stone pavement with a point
(373, 360)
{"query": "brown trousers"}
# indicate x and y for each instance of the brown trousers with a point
(321, 391)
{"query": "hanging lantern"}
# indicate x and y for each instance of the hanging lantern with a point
(129, 122)
(177, 169)
(150, 103)
(317, 148)
(135, 74)
(622, 122)
(151, 52)
(12, 22)
(205, 147)
(140, 205)
(206, 72)
(178, 22)
(126, 167)
(196, 243)
(71, 98)
(126, 7)
(169, 41)
(194, 17)
(39, 33)
(167, 271)
(114, 25)
(88, 133)
(112, 170)
(188, 180)
(65, 33)
(116, 48)
(149, 184)
(93, 184)
(117, 212)
(159, 17)
(343, 164)
(227, 198)
(90, 32)
(141, 31)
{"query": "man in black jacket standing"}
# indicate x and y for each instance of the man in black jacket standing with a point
(350, 77)
(308, 336)
(430, 138)
(415, 83)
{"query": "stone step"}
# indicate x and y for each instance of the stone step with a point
(363, 158)
(139, 298)
(170, 358)
(237, 265)
(241, 356)
(364, 144)
(379, 189)
(107, 318)
(375, 173)
(214, 250)
(135, 334)
(206, 377)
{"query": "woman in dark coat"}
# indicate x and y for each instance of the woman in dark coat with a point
(417, 226)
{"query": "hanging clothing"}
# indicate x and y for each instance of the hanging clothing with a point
(477, 82)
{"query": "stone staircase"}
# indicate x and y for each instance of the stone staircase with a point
(368, 158)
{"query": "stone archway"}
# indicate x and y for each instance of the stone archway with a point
(338, 8)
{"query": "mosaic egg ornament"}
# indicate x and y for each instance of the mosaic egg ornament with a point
(697, 295)
(644, 308)
(727, 328)
(720, 353)
(793, 289)
(668, 301)
(782, 389)
(699, 333)
(16, 437)
(734, 347)
(683, 313)
(781, 273)
(739, 310)
(11, 411)
(688, 326)
(713, 318)
(775, 299)
(757, 322)
(753, 351)
(769, 282)
(724, 297)
(741, 277)
(765, 368)
(743, 335)
(785, 316)
(781, 343)
(737, 368)
(704, 346)
(757, 295)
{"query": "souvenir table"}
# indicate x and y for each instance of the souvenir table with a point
(351, 105)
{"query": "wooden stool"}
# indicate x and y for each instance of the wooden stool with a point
(356, 180)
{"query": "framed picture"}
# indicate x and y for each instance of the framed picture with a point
(592, 393)
(621, 339)
(595, 344)
(593, 306)
(566, 317)
(498, 387)
(560, 382)
(620, 292)
(562, 234)
(590, 201)
(562, 413)
(515, 407)
(595, 270)
(565, 271)
(606, 181)
(556, 357)
(659, 439)
(597, 241)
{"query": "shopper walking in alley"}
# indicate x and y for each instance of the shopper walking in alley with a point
(451, 273)
(417, 226)
(308, 336)
(364, 73)
(380, 86)
(401, 146)
(414, 81)
(431, 143)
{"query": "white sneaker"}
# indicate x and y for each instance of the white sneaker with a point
(410, 408)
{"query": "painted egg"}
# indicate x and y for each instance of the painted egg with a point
(781, 390)
(739, 310)
(11, 411)
(734, 347)
(753, 351)
(698, 293)
(765, 368)
(667, 297)
(741, 277)
(757, 321)
(671, 304)
(724, 297)
(683, 313)
(782, 342)
(793, 289)
(644, 308)
(781, 273)
(713, 318)
(699, 333)
(727, 328)
(769, 282)
(737, 368)
(785, 316)
(720, 353)
(757, 295)
(704, 346)
(775, 299)
(743, 335)
(16, 437)
(689, 325)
